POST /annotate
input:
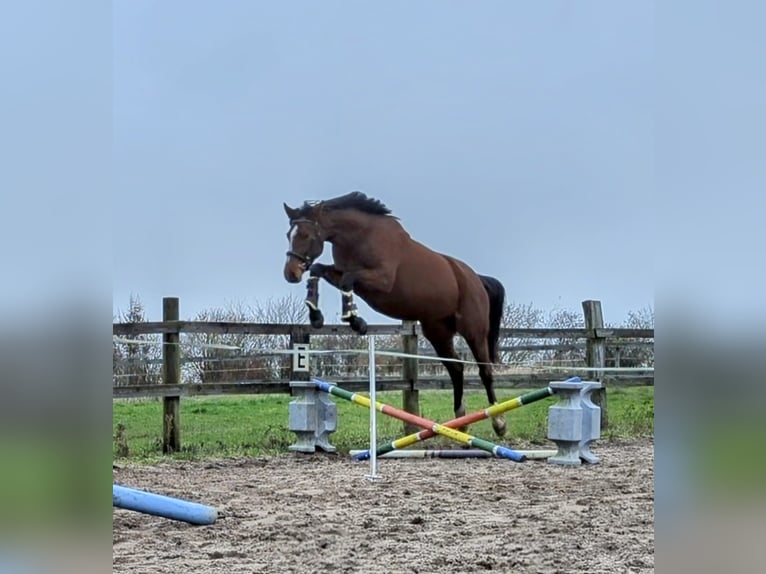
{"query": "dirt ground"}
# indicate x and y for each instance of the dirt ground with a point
(319, 514)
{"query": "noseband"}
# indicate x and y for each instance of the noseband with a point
(305, 259)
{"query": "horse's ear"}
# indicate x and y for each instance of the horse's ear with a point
(292, 213)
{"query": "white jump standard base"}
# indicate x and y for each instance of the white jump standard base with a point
(574, 422)
(312, 417)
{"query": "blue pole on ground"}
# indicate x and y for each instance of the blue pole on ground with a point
(160, 505)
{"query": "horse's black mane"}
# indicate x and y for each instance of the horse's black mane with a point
(353, 200)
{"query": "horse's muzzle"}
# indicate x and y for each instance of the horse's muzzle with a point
(296, 266)
(294, 270)
(293, 273)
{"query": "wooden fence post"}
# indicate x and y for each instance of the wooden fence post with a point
(410, 395)
(171, 375)
(595, 354)
(299, 364)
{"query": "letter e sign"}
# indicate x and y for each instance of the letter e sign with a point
(300, 360)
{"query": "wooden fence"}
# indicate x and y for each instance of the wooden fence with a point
(594, 340)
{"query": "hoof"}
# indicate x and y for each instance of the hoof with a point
(358, 324)
(498, 424)
(316, 319)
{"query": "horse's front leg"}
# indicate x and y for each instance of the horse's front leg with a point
(345, 282)
(312, 302)
(316, 272)
(382, 281)
(349, 311)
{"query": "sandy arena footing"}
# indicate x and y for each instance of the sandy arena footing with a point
(304, 514)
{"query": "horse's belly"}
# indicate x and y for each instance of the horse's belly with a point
(414, 301)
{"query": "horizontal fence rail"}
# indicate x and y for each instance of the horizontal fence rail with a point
(352, 384)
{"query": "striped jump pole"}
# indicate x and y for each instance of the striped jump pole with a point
(465, 438)
(465, 420)
(456, 453)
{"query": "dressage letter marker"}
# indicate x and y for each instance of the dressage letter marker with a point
(300, 360)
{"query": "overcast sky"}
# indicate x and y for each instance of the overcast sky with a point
(516, 136)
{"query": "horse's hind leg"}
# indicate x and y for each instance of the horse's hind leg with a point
(440, 334)
(480, 352)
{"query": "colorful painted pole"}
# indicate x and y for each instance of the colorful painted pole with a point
(465, 420)
(456, 453)
(160, 505)
(497, 450)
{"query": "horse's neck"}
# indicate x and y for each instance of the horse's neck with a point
(349, 230)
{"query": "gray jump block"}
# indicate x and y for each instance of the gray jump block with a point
(574, 422)
(313, 416)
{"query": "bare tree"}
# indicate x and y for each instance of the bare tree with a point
(571, 350)
(214, 357)
(286, 309)
(519, 316)
(633, 352)
(250, 357)
(136, 363)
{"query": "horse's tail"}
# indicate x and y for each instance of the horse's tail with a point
(496, 293)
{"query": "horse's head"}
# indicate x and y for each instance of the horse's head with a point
(305, 242)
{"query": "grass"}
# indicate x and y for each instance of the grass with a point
(258, 425)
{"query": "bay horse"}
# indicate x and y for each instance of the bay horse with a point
(376, 259)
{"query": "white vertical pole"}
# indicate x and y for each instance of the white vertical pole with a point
(373, 411)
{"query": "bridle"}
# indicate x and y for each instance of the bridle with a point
(307, 260)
